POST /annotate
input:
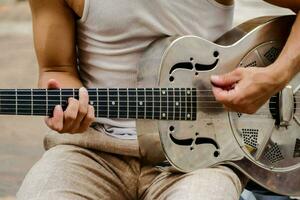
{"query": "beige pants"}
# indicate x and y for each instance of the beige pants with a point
(94, 165)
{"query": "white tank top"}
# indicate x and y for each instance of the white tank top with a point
(112, 35)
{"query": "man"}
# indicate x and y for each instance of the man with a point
(94, 43)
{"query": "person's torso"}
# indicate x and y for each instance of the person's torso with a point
(113, 34)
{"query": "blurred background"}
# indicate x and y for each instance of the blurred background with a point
(21, 138)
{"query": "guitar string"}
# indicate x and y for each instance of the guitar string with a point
(133, 101)
(110, 91)
(107, 89)
(50, 107)
(221, 108)
(157, 114)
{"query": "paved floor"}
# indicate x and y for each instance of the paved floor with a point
(21, 137)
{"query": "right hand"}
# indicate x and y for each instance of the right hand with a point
(77, 117)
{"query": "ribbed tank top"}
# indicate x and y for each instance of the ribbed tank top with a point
(113, 34)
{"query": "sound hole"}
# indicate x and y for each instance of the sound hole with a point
(171, 128)
(171, 78)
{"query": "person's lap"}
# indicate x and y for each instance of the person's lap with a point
(71, 172)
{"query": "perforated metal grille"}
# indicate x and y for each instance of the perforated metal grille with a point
(272, 54)
(250, 137)
(252, 64)
(273, 154)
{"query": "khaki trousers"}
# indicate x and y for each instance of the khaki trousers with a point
(94, 165)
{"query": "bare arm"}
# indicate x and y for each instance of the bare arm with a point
(289, 59)
(54, 40)
(291, 4)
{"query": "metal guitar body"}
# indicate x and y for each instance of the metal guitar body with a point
(265, 146)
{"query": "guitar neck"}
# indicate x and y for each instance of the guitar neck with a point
(127, 103)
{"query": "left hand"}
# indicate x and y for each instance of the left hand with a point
(245, 90)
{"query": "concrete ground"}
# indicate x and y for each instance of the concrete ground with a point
(21, 137)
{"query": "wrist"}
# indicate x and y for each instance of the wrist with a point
(284, 70)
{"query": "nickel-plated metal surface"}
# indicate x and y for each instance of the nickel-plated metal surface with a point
(265, 151)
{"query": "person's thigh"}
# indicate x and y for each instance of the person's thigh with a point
(219, 183)
(70, 172)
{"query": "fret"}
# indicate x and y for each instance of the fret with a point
(152, 103)
(16, 93)
(188, 104)
(93, 100)
(157, 103)
(141, 103)
(108, 106)
(60, 97)
(171, 105)
(194, 104)
(31, 101)
(149, 103)
(177, 104)
(127, 103)
(47, 106)
(132, 103)
(53, 98)
(97, 100)
(164, 106)
(23, 102)
(65, 95)
(118, 112)
(103, 101)
(136, 104)
(113, 103)
(145, 103)
(8, 102)
(123, 103)
(182, 104)
(167, 94)
(39, 102)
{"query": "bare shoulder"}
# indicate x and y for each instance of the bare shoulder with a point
(225, 2)
(77, 6)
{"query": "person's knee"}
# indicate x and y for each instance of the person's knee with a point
(214, 184)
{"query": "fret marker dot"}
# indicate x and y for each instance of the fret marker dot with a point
(188, 92)
(113, 103)
(91, 102)
(141, 103)
(163, 92)
(164, 114)
(188, 116)
(177, 103)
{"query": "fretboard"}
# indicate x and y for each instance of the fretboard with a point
(134, 103)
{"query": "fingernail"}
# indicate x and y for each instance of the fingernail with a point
(83, 89)
(58, 107)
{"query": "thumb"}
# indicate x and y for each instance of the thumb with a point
(53, 84)
(226, 80)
